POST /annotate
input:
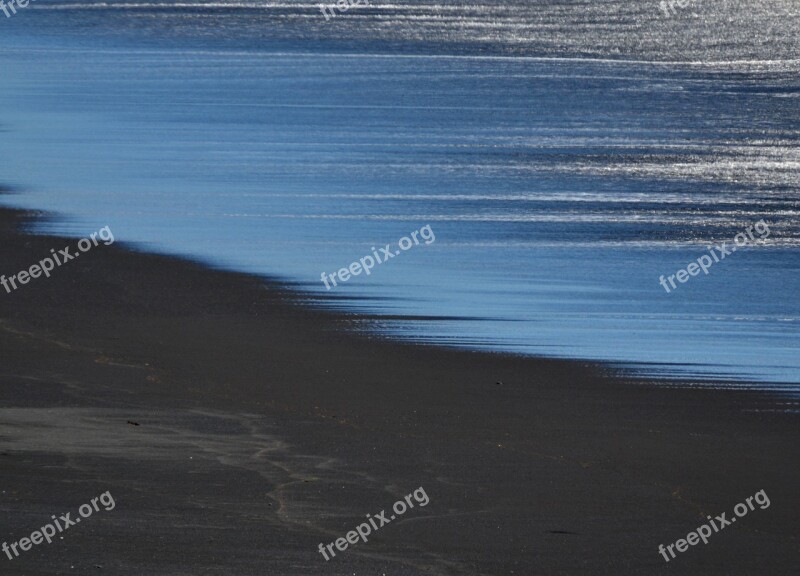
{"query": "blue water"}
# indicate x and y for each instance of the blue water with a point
(565, 157)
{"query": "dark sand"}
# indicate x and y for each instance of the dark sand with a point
(265, 429)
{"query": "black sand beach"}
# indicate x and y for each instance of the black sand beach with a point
(237, 429)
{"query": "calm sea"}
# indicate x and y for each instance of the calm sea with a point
(565, 154)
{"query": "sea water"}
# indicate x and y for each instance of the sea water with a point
(565, 155)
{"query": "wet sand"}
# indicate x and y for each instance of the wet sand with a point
(237, 428)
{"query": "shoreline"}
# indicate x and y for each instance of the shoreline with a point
(262, 428)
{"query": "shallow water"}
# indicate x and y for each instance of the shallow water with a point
(565, 156)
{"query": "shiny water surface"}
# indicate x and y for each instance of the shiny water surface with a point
(566, 155)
